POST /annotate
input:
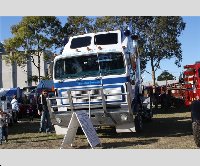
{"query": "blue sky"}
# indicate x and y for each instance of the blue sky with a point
(190, 39)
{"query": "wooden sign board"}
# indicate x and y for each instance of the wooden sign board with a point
(80, 118)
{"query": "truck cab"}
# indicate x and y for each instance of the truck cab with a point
(100, 73)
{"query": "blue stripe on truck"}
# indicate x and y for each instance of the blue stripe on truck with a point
(91, 82)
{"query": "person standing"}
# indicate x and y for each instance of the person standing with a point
(45, 122)
(15, 108)
(3, 126)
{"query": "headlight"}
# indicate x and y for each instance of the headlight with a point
(124, 117)
(111, 91)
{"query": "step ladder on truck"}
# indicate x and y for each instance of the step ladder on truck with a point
(100, 73)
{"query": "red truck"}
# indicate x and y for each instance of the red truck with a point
(191, 83)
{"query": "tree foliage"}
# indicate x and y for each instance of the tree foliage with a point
(165, 75)
(32, 36)
(77, 25)
(108, 23)
(158, 36)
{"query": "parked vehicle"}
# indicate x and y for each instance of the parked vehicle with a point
(191, 84)
(100, 73)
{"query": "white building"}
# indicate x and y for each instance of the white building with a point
(12, 75)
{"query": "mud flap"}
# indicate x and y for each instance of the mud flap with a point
(125, 128)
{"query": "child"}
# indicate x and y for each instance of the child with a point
(29, 112)
(3, 126)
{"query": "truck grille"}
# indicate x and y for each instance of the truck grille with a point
(93, 95)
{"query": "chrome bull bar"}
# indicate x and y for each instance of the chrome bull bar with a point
(90, 105)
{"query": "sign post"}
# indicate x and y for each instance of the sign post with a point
(80, 118)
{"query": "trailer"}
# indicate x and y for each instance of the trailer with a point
(100, 73)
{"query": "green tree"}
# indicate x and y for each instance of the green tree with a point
(158, 36)
(33, 36)
(108, 23)
(77, 25)
(165, 75)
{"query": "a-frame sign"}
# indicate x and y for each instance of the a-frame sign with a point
(80, 118)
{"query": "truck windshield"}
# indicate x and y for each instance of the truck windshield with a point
(88, 66)
(111, 63)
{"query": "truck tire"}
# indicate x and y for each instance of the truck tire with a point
(138, 123)
(195, 117)
(196, 132)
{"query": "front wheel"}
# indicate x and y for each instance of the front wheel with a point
(138, 123)
(196, 132)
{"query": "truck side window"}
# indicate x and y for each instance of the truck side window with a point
(80, 42)
(106, 39)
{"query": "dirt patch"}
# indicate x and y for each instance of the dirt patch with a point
(168, 130)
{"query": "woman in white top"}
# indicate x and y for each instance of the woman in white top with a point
(15, 108)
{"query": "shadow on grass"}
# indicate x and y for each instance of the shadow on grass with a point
(122, 144)
(28, 137)
(42, 140)
(159, 127)
(126, 144)
(24, 127)
(171, 110)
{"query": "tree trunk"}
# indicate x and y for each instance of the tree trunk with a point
(155, 95)
(13, 73)
(29, 70)
(153, 74)
(39, 67)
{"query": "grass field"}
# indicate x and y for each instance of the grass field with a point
(169, 129)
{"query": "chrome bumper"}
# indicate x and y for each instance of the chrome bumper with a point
(101, 113)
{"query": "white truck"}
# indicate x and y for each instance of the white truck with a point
(99, 73)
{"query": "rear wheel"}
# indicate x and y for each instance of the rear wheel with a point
(196, 132)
